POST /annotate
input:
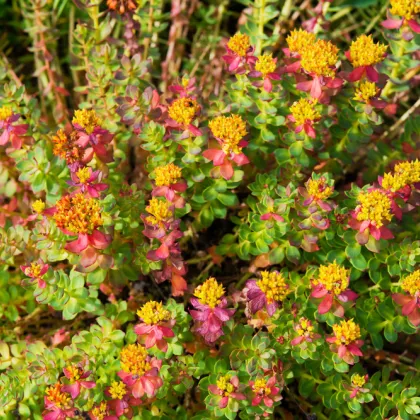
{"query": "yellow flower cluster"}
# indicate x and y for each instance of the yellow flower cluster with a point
(210, 292)
(100, 411)
(411, 284)
(374, 206)
(346, 332)
(117, 390)
(366, 91)
(305, 327)
(260, 387)
(66, 147)
(409, 170)
(153, 312)
(167, 174)
(405, 8)
(333, 277)
(239, 44)
(319, 189)
(78, 214)
(358, 380)
(265, 64)
(133, 359)
(38, 206)
(230, 130)
(5, 113)
(83, 174)
(74, 373)
(58, 398)
(87, 118)
(393, 182)
(183, 110)
(320, 58)
(364, 52)
(303, 110)
(223, 383)
(34, 270)
(273, 285)
(299, 39)
(160, 211)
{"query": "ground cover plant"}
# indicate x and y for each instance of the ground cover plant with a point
(209, 209)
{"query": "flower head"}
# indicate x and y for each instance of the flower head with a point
(87, 119)
(358, 380)
(239, 44)
(38, 206)
(117, 390)
(333, 277)
(393, 182)
(153, 313)
(265, 390)
(405, 8)
(78, 214)
(167, 175)
(366, 91)
(274, 286)
(320, 58)
(304, 110)
(375, 206)
(134, 359)
(122, 6)
(230, 130)
(65, 146)
(5, 113)
(100, 411)
(409, 170)
(260, 387)
(160, 211)
(83, 174)
(74, 373)
(346, 332)
(305, 327)
(183, 110)
(411, 284)
(299, 39)
(210, 292)
(364, 52)
(56, 397)
(318, 189)
(265, 64)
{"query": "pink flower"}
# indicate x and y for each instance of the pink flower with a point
(85, 181)
(122, 402)
(305, 332)
(100, 412)
(12, 132)
(391, 23)
(36, 271)
(223, 160)
(410, 302)
(226, 387)
(57, 404)
(320, 87)
(357, 382)
(265, 392)
(266, 68)
(317, 191)
(185, 89)
(239, 53)
(76, 376)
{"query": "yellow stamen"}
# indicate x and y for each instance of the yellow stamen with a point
(374, 206)
(87, 119)
(320, 58)
(333, 277)
(318, 189)
(411, 284)
(167, 175)
(153, 313)
(273, 285)
(134, 359)
(210, 292)
(299, 39)
(223, 383)
(38, 206)
(230, 130)
(358, 380)
(117, 390)
(304, 110)
(239, 44)
(160, 211)
(58, 398)
(405, 8)
(346, 332)
(83, 174)
(183, 110)
(366, 91)
(5, 113)
(364, 52)
(260, 387)
(265, 64)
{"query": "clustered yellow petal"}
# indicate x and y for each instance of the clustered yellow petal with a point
(299, 39)
(83, 174)
(167, 175)
(260, 387)
(358, 380)
(66, 147)
(374, 206)
(5, 113)
(58, 398)
(160, 211)
(364, 52)
(100, 411)
(74, 373)
(318, 189)
(153, 313)
(87, 119)
(411, 284)
(273, 285)
(117, 390)
(304, 110)
(223, 383)
(346, 332)
(305, 327)
(320, 58)
(393, 182)
(366, 91)
(210, 292)
(34, 270)
(405, 8)
(183, 110)
(38, 206)
(333, 277)
(239, 44)
(230, 130)
(133, 359)
(78, 214)
(410, 170)
(265, 64)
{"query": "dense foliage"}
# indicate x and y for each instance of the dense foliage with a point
(209, 209)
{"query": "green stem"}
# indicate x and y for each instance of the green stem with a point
(260, 33)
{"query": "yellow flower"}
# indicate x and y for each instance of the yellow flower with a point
(318, 189)
(358, 380)
(38, 206)
(210, 292)
(230, 130)
(303, 110)
(411, 284)
(265, 64)
(305, 327)
(333, 277)
(223, 383)
(100, 411)
(346, 332)
(34, 270)
(364, 52)
(167, 175)
(405, 8)
(153, 312)
(260, 387)
(239, 44)
(66, 147)
(134, 359)
(160, 211)
(83, 174)
(78, 214)
(117, 390)
(74, 373)
(5, 113)
(183, 110)
(58, 398)
(365, 91)
(299, 39)
(87, 119)
(410, 170)
(273, 285)
(320, 58)
(374, 206)
(393, 182)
